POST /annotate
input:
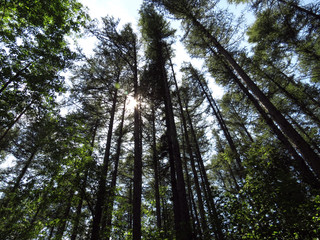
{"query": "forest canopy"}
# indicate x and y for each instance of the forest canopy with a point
(128, 145)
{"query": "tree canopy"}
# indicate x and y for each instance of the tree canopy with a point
(142, 148)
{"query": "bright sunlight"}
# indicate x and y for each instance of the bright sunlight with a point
(131, 103)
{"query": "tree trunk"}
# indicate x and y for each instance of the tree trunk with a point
(156, 169)
(24, 170)
(182, 219)
(217, 223)
(15, 77)
(63, 219)
(300, 164)
(189, 149)
(15, 121)
(95, 232)
(304, 148)
(222, 124)
(193, 214)
(297, 7)
(137, 178)
(295, 100)
(84, 184)
(114, 176)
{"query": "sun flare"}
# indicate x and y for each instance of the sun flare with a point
(131, 103)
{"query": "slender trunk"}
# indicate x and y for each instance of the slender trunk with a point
(217, 223)
(241, 123)
(222, 123)
(95, 232)
(115, 175)
(130, 204)
(297, 85)
(189, 148)
(301, 9)
(303, 132)
(77, 219)
(197, 224)
(63, 219)
(137, 178)
(15, 121)
(156, 169)
(182, 220)
(300, 164)
(307, 152)
(84, 184)
(24, 170)
(181, 213)
(296, 101)
(189, 193)
(51, 233)
(14, 77)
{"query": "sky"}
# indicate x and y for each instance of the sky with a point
(128, 12)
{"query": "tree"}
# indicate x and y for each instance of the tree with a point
(190, 11)
(155, 30)
(33, 54)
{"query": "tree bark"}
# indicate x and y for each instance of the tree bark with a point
(114, 176)
(95, 232)
(15, 121)
(301, 9)
(63, 219)
(156, 169)
(182, 219)
(300, 164)
(192, 161)
(24, 170)
(216, 220)
(194, 213)
(304, 148)
(137, 178)
(222, 124)
(14, 77)
(82, 188)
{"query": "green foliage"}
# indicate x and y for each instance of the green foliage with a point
(51, 190)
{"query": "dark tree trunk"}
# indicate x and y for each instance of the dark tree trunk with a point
(214, 215)
(193, 214)
(190, 152)
(15, 121)
(182, 219)
(115, 175)
(64, 218)
(82, 187)
(137, 178)
(24, 170)
(223, 126)
(300, 164)
(295, 100)
(301, 9)
(307, 152)
(95, 232)
(14, 77)
(156, 168)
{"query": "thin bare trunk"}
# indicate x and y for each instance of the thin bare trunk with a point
(156, 169)
(304, 148)
(192, 161)
(301, 9)
(83, 186)
(14, 77)
(137, 178)
(114, 176)
(95, 232)
(15, 121)
(24, 170)
(182, 219)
